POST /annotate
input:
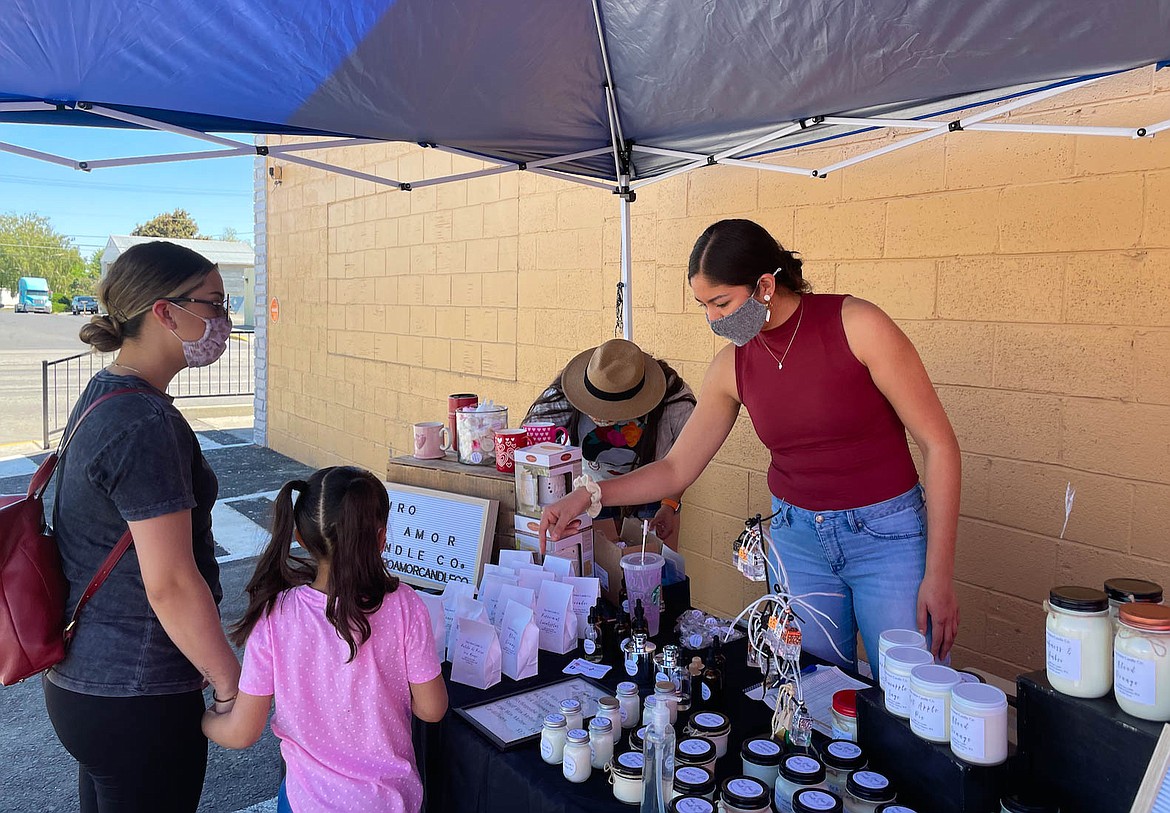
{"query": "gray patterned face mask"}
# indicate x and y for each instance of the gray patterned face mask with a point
(743, 324)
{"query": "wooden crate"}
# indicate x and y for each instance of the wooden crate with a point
(448, 474)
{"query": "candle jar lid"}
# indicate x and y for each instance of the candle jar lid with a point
(554, 721)
(894, 807)
(690, 803)
(980, 696)
(710, 722)
(907, 657)
(570, 706)
(695, 751)
(869, 786)
(802, 770)
(626, 688)
(1151, 617)
(744, 792)
(600, 723)
(1016, 804)
(845, 702)
(1078, 599)
(1125, 590)
(664, 687)
(761, 751)
(843, 755)
(578, 735)
(638, 739)
(814, 800)
(693, 779)
(628, 765)
(608, 703)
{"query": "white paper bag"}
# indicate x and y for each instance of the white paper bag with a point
(451, 594)
(561, 566)
(434, 606)
(475, 655)
(524, 596)
(515, 558)
(489, 592)
(554, 616)
(494, 570)
(532, 577)
(586, 593)
(520, 641)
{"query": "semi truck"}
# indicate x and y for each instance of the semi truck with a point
(33, 295)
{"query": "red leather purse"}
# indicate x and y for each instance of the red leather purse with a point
(33, 591)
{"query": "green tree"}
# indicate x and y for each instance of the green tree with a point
(229, 234)
(177, 225)
(31, 247)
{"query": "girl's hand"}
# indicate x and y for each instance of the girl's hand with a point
(665, 526)
(938, 604)
(560, 518)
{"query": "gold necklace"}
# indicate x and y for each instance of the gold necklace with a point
(128, 367)
(780, 361)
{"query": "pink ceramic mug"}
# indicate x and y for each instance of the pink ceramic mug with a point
(431, 440)
(507, 442)
(545, 432)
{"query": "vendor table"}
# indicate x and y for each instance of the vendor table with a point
(464, 772)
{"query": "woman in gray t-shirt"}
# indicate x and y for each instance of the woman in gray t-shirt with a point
(127, 699)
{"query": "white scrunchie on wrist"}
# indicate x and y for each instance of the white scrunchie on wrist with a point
(590, 485)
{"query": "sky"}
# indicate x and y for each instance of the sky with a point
(90, 206)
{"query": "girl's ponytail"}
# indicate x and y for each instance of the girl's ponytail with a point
(358, 578)
(276, 569)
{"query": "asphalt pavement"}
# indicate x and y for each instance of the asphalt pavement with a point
(37, 773)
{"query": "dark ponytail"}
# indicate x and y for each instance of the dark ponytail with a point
(340, 515)
(739, 252)
(277, 569)
(358, 579)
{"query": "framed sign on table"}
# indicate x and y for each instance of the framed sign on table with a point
(434, 537)
(517, 718)
(1154, 794)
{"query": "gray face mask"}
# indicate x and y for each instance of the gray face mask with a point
(743, 324)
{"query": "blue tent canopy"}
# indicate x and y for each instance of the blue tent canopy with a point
(523, 82)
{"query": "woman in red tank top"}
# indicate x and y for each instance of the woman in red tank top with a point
(832, 386)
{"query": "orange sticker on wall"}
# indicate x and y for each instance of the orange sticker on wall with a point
(274, 309)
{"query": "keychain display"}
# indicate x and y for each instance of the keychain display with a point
(748, 551)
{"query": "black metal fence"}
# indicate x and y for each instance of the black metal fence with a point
(63, 380)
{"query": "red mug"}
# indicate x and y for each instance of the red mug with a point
(507, 442)
(546, 432)
(454, 403)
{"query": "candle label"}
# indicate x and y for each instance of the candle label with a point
(1134, 679)
(546, 749)
(1064, 656)
(844, 750)
(693, 747)
(898, 693)
(747, 788)
(967, 735)
(765, 748)
(816, 800)
(871, 780)
(569, 766)
(928, 716)
(803, 765)
(693, 806)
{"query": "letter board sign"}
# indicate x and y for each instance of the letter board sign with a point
(434, 537)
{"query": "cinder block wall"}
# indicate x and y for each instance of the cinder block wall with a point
(1032, 272)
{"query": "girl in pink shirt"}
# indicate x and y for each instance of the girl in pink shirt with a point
(343, 648)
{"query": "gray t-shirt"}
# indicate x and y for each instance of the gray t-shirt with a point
(134, 458)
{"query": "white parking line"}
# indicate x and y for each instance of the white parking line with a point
(239, 536)
(17, 467)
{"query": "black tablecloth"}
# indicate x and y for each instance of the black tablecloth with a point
(463, 771)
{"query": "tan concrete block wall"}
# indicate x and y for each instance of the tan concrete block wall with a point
(1032, 273)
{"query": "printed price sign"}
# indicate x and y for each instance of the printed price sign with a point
(435, 537)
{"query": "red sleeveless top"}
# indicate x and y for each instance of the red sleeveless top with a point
(836, 442)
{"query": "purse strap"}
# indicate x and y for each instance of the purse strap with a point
(41, 482)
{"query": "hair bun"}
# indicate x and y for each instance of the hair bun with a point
(103, 333)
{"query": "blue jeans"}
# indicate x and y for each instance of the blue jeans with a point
(282, 805)
(874, 557)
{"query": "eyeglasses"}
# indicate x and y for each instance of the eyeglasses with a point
(220, 307)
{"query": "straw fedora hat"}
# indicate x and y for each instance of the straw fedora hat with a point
(615, 381)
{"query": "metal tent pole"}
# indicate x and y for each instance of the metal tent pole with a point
(627, 264)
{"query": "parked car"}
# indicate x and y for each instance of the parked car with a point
(84, 304)
(33, 294)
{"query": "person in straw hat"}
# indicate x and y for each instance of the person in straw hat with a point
(624, 408)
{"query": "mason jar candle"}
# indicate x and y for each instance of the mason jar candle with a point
(610, 708)
(894, 807)
(865, 790)
(692, 781)
(600, 742)
(893, 638)
(711, 725)
(742, 794)
(576, 763)
(1079, 642)
(841, 758)
(900, 660)
(552, 739)
(625, 773)
(761, 759)
(696, 751)
(571, 710)
(690, 803)
(1127, 591)
(1141, 661)
(797, 771)
(638, 739)
(979, 724)
(930, 701)
(1014, 804)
